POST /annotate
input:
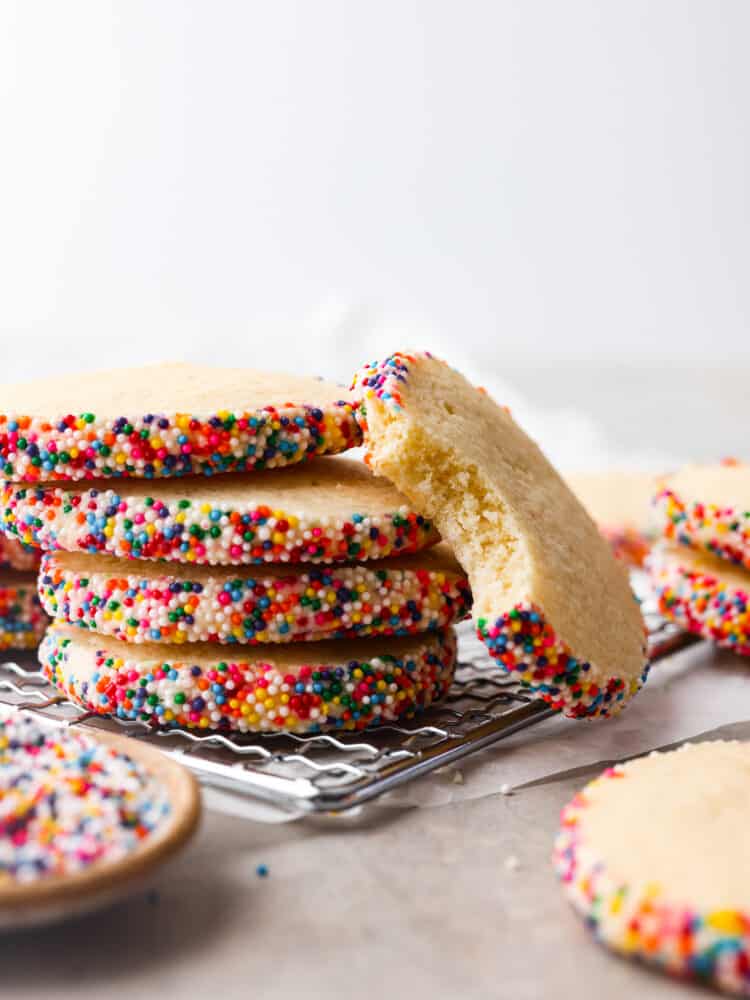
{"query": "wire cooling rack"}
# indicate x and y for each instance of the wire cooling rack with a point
(335, 773)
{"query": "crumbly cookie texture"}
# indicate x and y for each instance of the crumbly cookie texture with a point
(619, 501)
(330, 510)
(708, 507)
(157, 602)
(703, 594)
(168, 420)
(22, 621)
(296, 688)
(551, 603)
(653, 855)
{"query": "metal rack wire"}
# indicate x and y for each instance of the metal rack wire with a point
(335, 773)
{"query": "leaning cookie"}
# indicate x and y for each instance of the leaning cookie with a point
(551, 603)
(708, 507)
(330, 510)
(296, 688)
(156, 602)
(14, 555)
(168, 420)
(22, 621)
(653, 856)
(703, 594)
(620, 503)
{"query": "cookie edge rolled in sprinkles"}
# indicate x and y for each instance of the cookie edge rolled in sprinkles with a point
(187, 531)
(321, 602)
(22, 620)
(154, 445)
(521, 641)
(527, 648)
(632, 921)
(722, 531)
(312, 698)
(700, 602)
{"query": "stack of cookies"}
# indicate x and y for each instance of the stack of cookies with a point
(22, 621)
(701, 570)
(209, 564)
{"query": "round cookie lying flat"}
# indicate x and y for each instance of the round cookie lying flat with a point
(13, 555)
(703, 594)
(654, 855)
(330, 510)
(708, 507)
(620, 504)
(294, 688)
(22, 621)
(551, 603)
(168, 420)
(156, 602)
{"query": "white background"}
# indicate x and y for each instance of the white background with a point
(309, 184)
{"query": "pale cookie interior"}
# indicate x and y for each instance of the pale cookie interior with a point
(166, 388)
(514, 525)
(677, 821)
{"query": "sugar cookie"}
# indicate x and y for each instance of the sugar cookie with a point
(550, 601)
(157, 602)
(653, 854)
(330, 510)
(620, 504)
(22, 621)
(703, 594)
(168, 420)
(297, 687)
(708, 507)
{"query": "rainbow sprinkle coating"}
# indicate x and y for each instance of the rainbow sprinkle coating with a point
(14, 555)
(68, 802)
(253, 695)
(190, 531)
(341, 602)
(22, 621)
(153, 445)
(723, 531)
(528, 650)
(637, 921)
(701, 601)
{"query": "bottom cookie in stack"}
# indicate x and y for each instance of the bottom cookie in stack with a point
(293, 688)
(703, 594)
(22, 621)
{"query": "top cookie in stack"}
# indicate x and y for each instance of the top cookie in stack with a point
(168, 420)
(154, 571)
